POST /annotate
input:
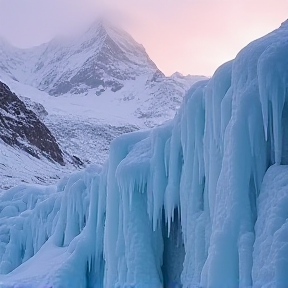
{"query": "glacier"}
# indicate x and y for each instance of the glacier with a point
(200, 201)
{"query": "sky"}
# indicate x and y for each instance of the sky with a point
(189, 36)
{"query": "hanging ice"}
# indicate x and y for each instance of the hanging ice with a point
(50, 235)
(183, 203)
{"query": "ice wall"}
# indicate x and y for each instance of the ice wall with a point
(206, 166)
(182, 204)
(271, 231)
(53, 235)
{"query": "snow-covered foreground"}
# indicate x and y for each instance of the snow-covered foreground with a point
(18, 166)
(201, 200)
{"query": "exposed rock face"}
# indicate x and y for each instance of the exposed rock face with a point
(21, 127)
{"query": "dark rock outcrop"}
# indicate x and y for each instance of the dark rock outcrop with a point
(21, 127)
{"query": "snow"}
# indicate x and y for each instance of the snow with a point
(214, 179)
(78, 128)
(17, 166)
(116, 55)
(87, 117)
(128, 106)
(84, 125)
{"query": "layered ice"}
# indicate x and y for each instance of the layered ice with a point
(199, 201)
(49, 235)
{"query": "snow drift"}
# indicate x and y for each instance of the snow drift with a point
(185, 203)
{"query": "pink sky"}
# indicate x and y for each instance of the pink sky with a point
(189, 36)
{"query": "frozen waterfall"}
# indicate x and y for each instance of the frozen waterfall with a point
(201, 201)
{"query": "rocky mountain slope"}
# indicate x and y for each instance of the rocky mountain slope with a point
(28, 150)
(21, 127)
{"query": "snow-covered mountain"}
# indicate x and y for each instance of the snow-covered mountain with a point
(89, 89)
(200, 201)
(102, 58)
(101, 61)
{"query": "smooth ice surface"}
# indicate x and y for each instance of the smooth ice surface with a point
(183, 203)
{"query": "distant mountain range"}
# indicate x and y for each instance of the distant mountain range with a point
(102, 79)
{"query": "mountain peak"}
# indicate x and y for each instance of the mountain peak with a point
(177, 74)
(96, 26)
(104, 27)
(102, 58)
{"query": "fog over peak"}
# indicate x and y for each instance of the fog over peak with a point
(196, 36)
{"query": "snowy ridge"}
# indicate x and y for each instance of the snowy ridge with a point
(105, 61)
(198, 179)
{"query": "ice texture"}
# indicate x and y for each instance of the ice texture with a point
(48, 235)
(200, 201)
